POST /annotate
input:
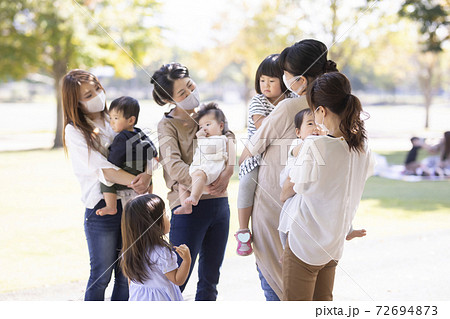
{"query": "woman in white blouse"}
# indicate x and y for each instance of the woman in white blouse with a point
(86, 137)
(330, 173)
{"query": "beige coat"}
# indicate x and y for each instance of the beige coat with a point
(272, 139)
(176, 150)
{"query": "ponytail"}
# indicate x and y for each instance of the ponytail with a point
(333, 91)
(352, 126)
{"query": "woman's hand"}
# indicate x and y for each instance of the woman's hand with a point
(219, 186)
(141, 183)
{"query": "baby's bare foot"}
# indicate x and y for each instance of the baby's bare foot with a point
(183, 210)
(356, 233)
(106, 211)
(191, 200)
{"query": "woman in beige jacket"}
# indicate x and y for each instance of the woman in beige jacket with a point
(302, 63)
(205, 230)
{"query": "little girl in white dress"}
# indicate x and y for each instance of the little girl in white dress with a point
(210, 156)
(147, 258)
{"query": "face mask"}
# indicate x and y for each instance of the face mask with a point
(96, 104)
(191, 102)
(289, 83)
(322, 126)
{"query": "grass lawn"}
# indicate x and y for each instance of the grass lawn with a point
(42, 233)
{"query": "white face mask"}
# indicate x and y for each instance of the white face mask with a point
(322, 126)
(291, 82)
(191, 102)
(96, 104)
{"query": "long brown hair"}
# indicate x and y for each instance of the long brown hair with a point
(73, 114)
(142, 230)
(333, 91)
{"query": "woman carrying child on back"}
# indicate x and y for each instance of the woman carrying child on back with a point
(330, 173)
(147, 258)
(271, 90)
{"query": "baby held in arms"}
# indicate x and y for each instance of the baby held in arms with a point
(209, 158)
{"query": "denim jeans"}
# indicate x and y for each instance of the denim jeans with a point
(104, 241)
(205, 232)
(268, 291)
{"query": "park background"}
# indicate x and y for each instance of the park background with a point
(396, 54)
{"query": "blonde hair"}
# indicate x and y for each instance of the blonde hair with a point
(73, 114)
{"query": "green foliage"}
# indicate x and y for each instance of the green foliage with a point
(269, 30)
(432, 17)
(51, 37)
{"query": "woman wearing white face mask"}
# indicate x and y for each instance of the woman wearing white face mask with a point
(205, 230)
(302, 63)
(86, 138)
(331, 184)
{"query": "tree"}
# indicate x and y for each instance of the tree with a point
(434, 26)
(269, 30)
(51, 37)
(388, 58)
(336, 26)
(433, 22)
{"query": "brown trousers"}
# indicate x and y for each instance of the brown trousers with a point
(306, 282)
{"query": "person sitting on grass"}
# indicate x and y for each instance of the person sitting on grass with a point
(412, 166)
(131, 149)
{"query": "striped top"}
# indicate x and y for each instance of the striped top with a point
(259, 105)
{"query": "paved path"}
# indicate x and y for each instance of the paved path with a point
(407, 267)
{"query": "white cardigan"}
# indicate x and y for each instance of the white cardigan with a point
(331, 179)
(88, 165)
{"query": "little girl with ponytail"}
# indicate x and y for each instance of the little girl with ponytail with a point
(330, 173)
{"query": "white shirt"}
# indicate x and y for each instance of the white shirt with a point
(88, 164)
(331, 179)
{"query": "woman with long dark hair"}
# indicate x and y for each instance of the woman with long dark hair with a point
(330, 173)
(302, 63)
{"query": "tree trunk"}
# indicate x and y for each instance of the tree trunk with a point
(426, 83)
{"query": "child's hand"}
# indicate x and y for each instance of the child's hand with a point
(319, 131)
(183, 251)
(201, 133)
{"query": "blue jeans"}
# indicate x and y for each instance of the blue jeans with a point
(268, 291)
(205, 232)
(104, 239)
